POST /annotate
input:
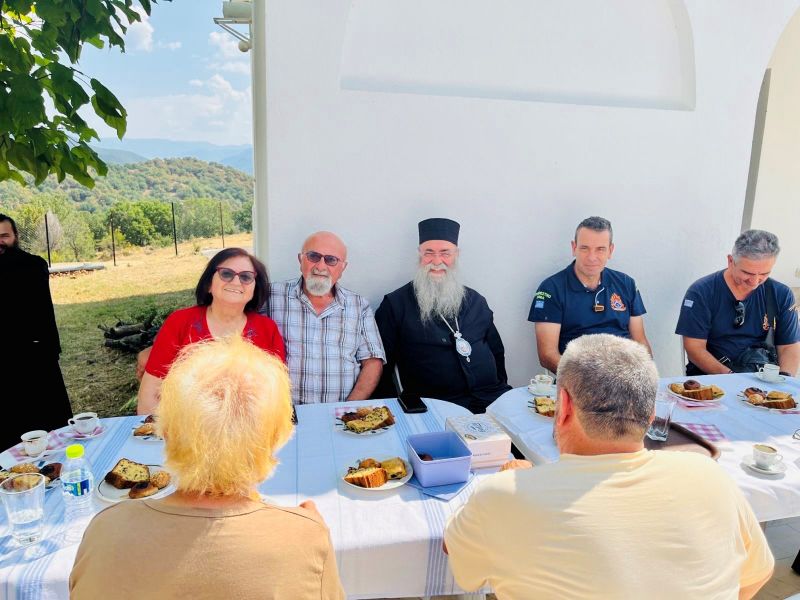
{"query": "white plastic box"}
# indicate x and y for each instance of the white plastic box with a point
(490, 445)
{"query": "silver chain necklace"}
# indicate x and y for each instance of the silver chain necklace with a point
(463, 347)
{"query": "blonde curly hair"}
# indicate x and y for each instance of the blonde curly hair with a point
(225, 411)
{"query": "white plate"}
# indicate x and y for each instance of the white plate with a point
(777, 469)
(532, 406)
(389, 485)
(79, 436)
(551, 390)
(751, 405)
(40, 462)
(341, 427)
(760, 376)
(108, 493)
(692, 400)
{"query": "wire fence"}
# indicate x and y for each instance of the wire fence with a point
(80, 236)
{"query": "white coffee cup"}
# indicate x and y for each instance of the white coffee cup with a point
(770, 372)
(35, 442)
(765, 456)
(84, 423)
(542, 383)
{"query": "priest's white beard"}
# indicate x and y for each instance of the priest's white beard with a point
(440, 295)
(319, 282)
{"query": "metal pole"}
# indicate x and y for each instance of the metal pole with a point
(113, 243)
(174, 229)
(221, 226)
(47, 237)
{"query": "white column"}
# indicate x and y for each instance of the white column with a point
(258, 64)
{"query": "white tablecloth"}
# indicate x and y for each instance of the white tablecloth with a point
(771, 496)
(388, 543)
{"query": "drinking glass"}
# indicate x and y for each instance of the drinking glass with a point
(23, 497)
(659, 428)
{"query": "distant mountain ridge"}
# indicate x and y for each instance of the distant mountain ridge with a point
(236, 156)
(173, 179)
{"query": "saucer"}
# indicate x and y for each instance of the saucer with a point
(777, 469)
(551, 390)
(779, 379)
(96, 433)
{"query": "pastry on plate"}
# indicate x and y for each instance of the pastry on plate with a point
(395, 468)
(374, 419)
(160, 479)
(545, 406)
(145, 429)
(127, 473)
(143, 489)
(371, 477)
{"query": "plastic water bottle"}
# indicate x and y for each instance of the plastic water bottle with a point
(77, 482)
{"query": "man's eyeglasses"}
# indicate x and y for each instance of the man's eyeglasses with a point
(315, 257)
(738, 321)
(227, 275)
(430, 254)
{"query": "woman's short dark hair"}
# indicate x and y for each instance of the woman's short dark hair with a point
(260, 300)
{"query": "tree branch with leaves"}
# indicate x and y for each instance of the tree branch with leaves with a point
(40, 45)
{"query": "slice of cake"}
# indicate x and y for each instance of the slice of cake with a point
(375, 419)
(127, 473)
(395, 468)
(545, 406)
(371, 477)
(780, 400)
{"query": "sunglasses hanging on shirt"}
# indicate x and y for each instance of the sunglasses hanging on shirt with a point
(597, 307)
(738, 320)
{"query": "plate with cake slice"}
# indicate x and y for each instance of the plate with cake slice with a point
(378, 474)
(364, 420)
(544, 406)
(774, 400)
(694, 391)
(129, 480)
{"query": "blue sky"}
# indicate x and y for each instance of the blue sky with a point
(181, 77)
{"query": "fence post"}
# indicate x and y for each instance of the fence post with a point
(47, 237)
(174, 229)
(113, 243)
(221, 226)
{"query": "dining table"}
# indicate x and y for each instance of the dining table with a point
(732, 424)
(388, 543)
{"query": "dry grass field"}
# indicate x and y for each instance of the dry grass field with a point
(101, 379)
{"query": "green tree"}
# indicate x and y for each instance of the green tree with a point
(40, 42)
(159, 214)
(77, 236)
(243, 217)
(200, 217)
(130, 219)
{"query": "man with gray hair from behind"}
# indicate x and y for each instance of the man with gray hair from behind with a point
(610, 519)
(739, 319)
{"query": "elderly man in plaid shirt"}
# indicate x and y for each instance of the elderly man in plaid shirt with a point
(333, 348)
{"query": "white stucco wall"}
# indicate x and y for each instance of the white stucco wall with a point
(777, 200)
(518, 174)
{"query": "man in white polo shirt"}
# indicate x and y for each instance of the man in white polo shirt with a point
(609, 519)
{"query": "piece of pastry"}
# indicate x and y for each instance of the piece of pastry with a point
(143, 489)
(703, 392)
(374, 419)
(367, 478)
(367, 463)
(25, 468)
(395, 468)
(127, 473)
(145, 429)
(545, 406)
(779, 400)
(150, 419)
(755, 399)
(754, 390)
(692, 384)
(347, 417)
(160, 479)
(5, 475)
(51, 471)
(717, 391)
(676, 388)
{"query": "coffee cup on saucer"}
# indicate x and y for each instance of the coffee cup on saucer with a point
(541, 384)
(770, 372)
(84, 423)
(766, 457)
(34, 442)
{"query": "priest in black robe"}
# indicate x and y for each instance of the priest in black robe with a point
(32, 386)
(440, 333)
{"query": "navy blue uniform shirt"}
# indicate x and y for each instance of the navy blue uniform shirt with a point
(562, 298)
(709, 309)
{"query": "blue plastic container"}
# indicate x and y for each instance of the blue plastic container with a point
(452, 458)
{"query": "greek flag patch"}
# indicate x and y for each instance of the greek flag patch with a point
(688, 303)
(539, 304)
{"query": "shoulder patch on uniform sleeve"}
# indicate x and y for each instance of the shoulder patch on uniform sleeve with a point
(540, 295)
(688, 303)
(539, 304)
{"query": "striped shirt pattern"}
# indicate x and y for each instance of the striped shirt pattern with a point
(324, 352)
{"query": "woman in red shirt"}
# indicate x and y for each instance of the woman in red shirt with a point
(231, 290)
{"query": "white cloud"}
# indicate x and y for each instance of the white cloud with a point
(227, 57)
(140, 34)
(217, 113)
(195, 83)
(170, 45)
(226, 44)
(240, 68)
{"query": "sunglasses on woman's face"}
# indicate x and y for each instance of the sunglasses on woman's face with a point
(227, 275)
(738, 321)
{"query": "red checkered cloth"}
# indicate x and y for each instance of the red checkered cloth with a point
(707, 432)
(56, 440)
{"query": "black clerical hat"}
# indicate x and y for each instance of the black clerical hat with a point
(438, 229)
